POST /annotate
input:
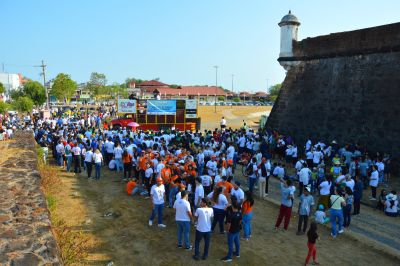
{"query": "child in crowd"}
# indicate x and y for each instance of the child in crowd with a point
(312, 236)
(320, 215)
(313, 179)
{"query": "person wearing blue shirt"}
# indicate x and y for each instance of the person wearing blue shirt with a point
(285, 211)
(305, 206)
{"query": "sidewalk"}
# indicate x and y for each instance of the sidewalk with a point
(371, 226)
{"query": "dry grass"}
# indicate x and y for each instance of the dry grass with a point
(128, 240)
(74, 243)
(233, 114)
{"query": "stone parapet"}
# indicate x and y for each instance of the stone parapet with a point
(26, 237)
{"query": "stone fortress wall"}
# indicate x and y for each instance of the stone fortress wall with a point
(343, 86)
(25, 228)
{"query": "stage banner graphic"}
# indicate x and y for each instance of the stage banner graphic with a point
(126, 106)
(161, 107)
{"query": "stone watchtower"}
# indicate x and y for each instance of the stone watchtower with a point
(289, 29)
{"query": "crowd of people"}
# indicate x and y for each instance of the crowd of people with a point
(195, 173)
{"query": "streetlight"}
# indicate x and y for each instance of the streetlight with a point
(216, 86)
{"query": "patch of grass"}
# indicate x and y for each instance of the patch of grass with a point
(73, 244)
(51, 203)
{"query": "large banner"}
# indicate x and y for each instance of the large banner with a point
(126, 106)
(191, 108)
(161, 107)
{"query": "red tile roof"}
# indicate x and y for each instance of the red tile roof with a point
(261, 94)
(193, 90)
(244, 93)
(151, 83)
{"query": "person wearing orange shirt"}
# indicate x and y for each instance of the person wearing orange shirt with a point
(247, 211)
(191, 171)
(166, 175)
(127, 161)
(174, 188)
(226, 186)
(142, 166)
(131, 187)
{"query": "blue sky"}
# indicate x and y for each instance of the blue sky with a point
(178, 41)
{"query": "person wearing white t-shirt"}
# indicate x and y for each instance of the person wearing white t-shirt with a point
(200, 162)
(118, 157)
(223, 123)
(237, 192)
(89, 162)
(148, 174)
(98, 160)
(317, 157)
(183, 216)
(350, 182)
(373, 181)
(203, 216)
(159, 167)
(109, 146)
(304, 178)
(324, 191)
(198, 193)
(219, 206)
(76, 150)
(157, 194)
(207, 182)
(211, 166)
(230, 152)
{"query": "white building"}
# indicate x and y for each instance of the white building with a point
(10, 81)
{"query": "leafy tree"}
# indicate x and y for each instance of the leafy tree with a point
(2, 89)
(98, 79)
(23, 104)
(15, 94)
(221, 98)
(35, 91)
(236, 99)
(274, 92)
(97, 83)
(4, 107)
(63, 87)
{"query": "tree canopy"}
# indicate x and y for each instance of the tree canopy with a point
(274, 92)
(63, 87)
(23, 104)
(4, 107)
(97, 83)
(35, 91)
(2, 89)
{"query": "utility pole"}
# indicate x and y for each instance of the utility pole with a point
(43, 66)
(216, 86)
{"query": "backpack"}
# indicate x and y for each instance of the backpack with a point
(250, 169)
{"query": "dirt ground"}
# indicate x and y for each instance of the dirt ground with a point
(128, 240)
(234, 115)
